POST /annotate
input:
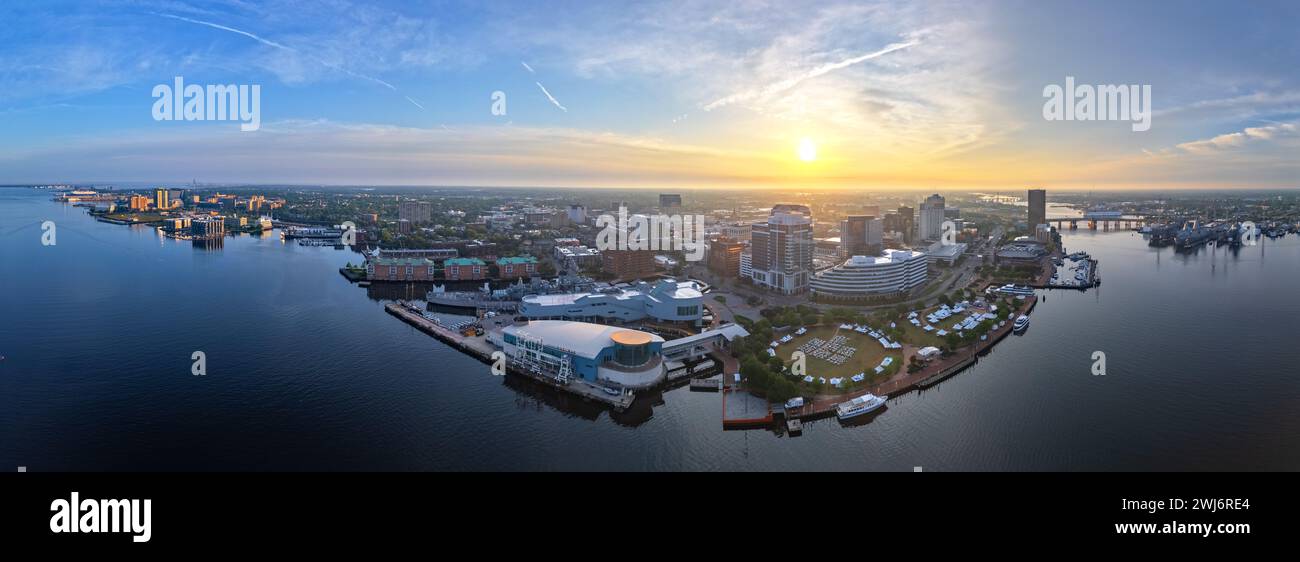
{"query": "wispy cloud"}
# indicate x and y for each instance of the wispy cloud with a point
(1241, 139)
(552, 98)
(281, 46)
(526, 67)
(792, 81)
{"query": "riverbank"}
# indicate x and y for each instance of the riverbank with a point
(933, 373)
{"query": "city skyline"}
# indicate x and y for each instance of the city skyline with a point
(884, 96)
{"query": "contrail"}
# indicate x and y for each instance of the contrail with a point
(530, 69)
(552, 98)
(271, 43)
(793, 81)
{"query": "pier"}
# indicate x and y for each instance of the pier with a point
(479, 348)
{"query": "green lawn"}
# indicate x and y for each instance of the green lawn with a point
(869, 354)
(917, 336)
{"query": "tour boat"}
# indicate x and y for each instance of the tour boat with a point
(858, 406)
(1021, 323)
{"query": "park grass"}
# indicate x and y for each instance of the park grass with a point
(917, 336)
(864, 360)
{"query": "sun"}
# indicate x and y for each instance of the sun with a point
(807, 150)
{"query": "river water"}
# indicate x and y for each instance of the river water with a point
(307, 372)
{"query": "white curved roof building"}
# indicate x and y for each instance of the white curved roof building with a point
(893, 271)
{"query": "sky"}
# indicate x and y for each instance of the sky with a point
(891, 95)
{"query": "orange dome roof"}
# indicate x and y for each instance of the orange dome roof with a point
(630, 337)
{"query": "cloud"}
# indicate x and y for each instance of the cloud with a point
(526, 67)
(287, 48)
(792, 81)
(1241, 139)
(552, 98)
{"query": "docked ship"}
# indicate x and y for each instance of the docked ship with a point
(507, 299)
(861, 405)
(311, 232)
(1016, 290)
(1020, 324)
(1191, 236)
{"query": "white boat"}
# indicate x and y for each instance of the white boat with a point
(1022, 322)
(1019, 290)
(858, 406)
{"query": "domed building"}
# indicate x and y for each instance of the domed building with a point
(593, 352)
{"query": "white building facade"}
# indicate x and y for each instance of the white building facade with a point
(892, 272)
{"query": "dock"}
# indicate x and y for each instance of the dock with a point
(741, 409)
(793, 426)
(479, 348)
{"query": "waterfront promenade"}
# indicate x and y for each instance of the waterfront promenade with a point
(903, 382)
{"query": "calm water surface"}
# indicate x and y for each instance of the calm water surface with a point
(307, 372)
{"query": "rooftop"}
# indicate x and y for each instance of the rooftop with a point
(464, 261)
(582, 338)
(886, 257)
(420, 262)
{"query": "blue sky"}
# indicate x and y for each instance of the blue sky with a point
(705, 94)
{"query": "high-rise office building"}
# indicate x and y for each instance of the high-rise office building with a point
(161, 200)
(782, 249)
(1037, 208)
(861, 235)
(577, 214)
(929, 225)
(418, 212)
(724, 257)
